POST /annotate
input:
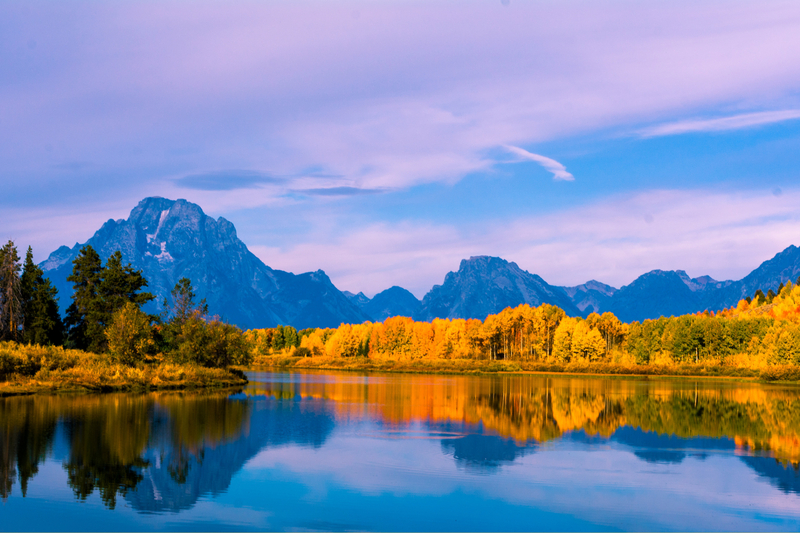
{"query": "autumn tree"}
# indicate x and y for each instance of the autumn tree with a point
(129, 335)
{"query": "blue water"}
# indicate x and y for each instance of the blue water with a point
(346, 452)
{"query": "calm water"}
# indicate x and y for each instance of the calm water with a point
(325, 451)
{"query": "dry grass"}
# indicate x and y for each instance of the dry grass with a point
(26, 369)
(473, 366)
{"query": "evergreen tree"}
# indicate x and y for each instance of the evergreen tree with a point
(83, 314)
(100, 292)
(41, 321)
(10, 293)
(183, 305)
(120, 285)
(277, 338)
(759, 297)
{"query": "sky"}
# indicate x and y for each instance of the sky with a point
(385, 141)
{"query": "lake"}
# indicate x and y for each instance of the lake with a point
(343, 451)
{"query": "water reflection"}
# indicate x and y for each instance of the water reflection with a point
(163, 452)
(538, 409)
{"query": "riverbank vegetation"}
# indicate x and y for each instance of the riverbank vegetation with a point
(106, 341)
(760, 337)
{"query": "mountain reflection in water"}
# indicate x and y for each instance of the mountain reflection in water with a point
(162, 452)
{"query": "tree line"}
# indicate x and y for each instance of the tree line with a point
(759, 331)
(105, 315)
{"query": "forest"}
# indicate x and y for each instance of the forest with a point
(105, 341)
(761, 333)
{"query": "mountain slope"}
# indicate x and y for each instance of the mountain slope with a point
(395, 301)
(170, 239)
(666, 293)
(591, 297)
(486, 285)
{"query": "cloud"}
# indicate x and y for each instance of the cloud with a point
(551, 165)
(225, 180)
(735, 122)
(339, 191)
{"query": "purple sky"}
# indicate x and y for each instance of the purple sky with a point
(385, 141)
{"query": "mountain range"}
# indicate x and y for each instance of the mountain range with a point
(171, 239)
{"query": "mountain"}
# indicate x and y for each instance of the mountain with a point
(590, 297)
(662, 293)
(359, 299)
(169, 239)
(673, 292)
(395, 301)
(486, 285)
(785, 266)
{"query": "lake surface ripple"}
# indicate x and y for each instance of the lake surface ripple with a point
(342, 451)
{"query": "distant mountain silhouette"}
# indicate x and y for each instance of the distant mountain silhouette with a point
(170, 239)
(486, 285)
(591, 296)
(395, 301)
(667, 293)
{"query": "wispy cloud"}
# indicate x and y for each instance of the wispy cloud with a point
(551, 165)
(225, 180)
(735, 122)
(338, 191)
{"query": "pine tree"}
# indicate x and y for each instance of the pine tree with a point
(100, 292)
(83, 314)
(183, 305)
(10, 293)
(120, 285)
(41, 321)
(277, 338)
(770, 296)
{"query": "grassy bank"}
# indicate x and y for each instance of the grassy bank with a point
(472, 366)
(26, 369)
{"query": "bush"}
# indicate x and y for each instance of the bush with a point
(211, 344)
(781, 373)
(130, 335)
(302, 352)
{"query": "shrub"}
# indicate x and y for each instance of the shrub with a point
(130, 335)
(211, 344)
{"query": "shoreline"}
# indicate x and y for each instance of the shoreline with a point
(471, 367)
(141, 380)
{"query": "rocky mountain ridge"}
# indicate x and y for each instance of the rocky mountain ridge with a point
(170, 239)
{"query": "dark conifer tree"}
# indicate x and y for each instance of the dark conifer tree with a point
(277, 338)
(10, 293)
(83, 314)
(121, 284)
(99, 293)
(41, 321)
(183, 305)
(759, 295)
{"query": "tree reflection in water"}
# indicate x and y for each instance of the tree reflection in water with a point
(163, 451)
